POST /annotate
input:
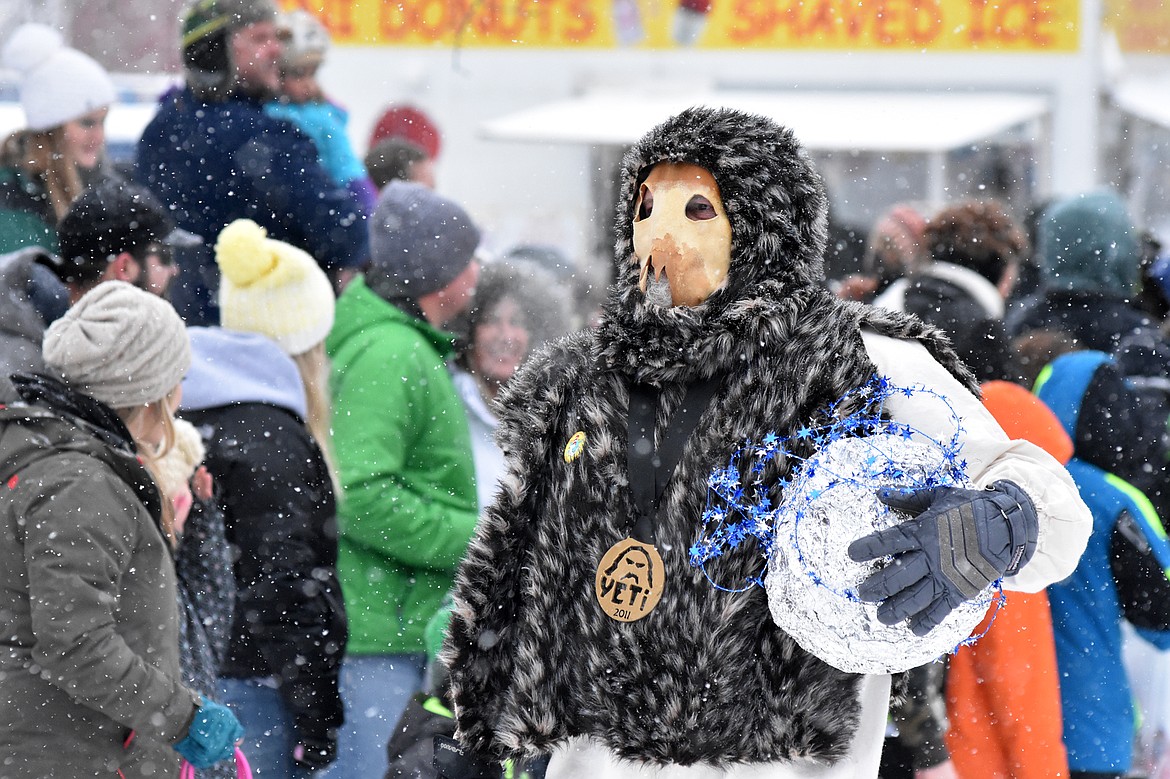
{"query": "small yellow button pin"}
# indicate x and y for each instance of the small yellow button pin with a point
(575, 446)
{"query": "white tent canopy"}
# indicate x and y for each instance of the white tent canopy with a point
(922, 122)
(926, 124)
(1145, 96)
(1142, 150)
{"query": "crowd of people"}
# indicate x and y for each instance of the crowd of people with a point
(1088, 337)
(292, 469)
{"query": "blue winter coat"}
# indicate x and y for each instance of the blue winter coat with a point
(1096, 699)
(217, 162)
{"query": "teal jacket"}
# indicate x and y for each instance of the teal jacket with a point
(404, 455)
(26, 218)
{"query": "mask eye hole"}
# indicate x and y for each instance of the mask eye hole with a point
(700, 209)
(645, 203)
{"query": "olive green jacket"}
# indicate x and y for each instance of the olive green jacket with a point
(89, 615)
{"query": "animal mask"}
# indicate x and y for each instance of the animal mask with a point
(682, 236)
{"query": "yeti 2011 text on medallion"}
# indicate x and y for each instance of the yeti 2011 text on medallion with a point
(629, 580)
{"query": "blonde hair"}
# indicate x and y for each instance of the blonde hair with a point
(151, 454)
(177, 466)
(313, 366)
(42, 153)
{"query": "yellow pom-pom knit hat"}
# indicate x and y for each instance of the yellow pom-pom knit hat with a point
(271, 288)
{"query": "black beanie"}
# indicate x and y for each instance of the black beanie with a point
(106, 220)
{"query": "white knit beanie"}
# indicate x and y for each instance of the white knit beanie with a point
(271, 288)
(120, 345)
(57, 83)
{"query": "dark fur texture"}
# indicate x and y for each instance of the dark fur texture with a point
(706, 677)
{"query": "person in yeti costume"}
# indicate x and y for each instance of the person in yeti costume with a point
(705, 684)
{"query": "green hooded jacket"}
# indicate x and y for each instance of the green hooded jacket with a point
(404, 455)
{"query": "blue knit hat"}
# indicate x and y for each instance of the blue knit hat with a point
(1089, 242)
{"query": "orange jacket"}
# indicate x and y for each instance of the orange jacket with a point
(1003, 694)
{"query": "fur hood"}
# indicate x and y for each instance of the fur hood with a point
(778, 209)
(774, 199)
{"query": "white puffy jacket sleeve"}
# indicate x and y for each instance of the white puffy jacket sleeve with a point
(1065, 521)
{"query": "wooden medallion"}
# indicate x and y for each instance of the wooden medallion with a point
(630, 579)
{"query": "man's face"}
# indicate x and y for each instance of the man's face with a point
(152, 271)
(453, 299)
(256, 52)
(682, 236)
(160, 270)
(423, 172)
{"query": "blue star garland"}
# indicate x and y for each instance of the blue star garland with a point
(739, 505)
(739, 509)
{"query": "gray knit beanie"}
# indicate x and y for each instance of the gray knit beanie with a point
(120, 345)
(419, 242)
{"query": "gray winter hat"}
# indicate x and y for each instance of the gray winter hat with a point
(419, 242)
(120, 345)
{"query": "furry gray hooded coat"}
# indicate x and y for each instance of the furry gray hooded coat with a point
(707, 677)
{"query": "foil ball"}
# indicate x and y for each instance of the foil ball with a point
(812, 582)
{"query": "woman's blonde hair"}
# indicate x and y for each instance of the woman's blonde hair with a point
(151, 454)
(313, 366)
(42, 153)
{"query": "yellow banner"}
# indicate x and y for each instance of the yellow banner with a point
(1142, 26)
(869, 25)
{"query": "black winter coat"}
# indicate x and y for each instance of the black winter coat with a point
(1097, 320)
(280, 514)
(980, 340)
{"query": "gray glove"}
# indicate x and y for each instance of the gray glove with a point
(958, 542)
